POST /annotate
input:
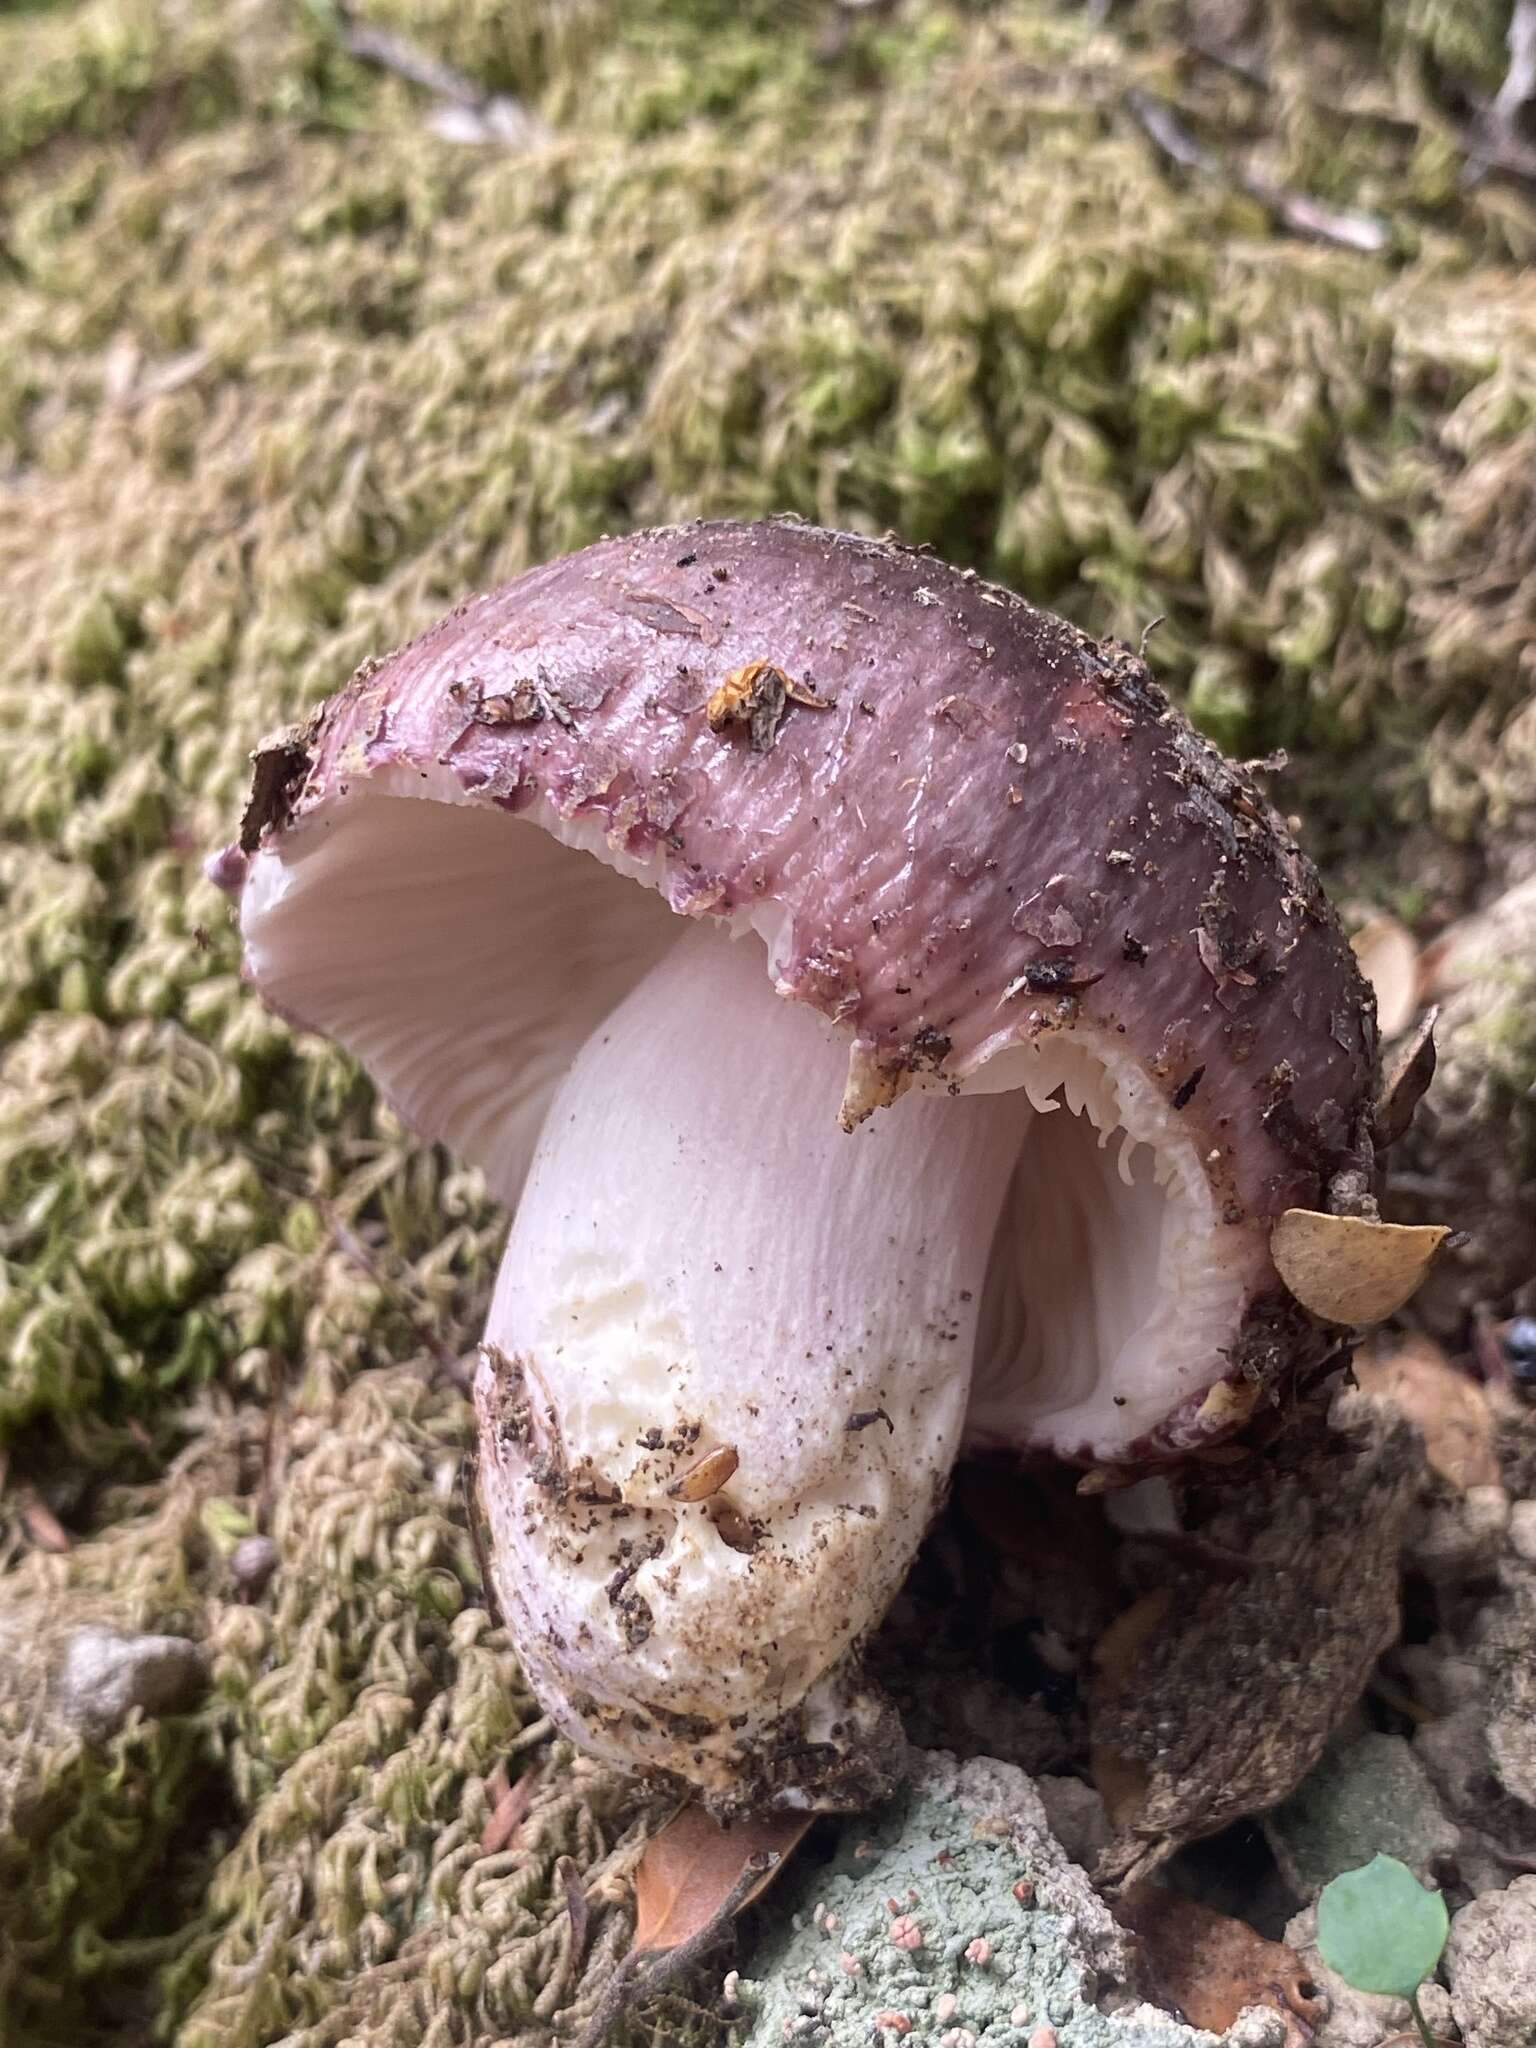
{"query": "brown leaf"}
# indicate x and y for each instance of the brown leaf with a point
(696, 1869)
(1208, 1968)
(1445, 1405)
(509, 1809)
(1348, 1269)
(1389, 959)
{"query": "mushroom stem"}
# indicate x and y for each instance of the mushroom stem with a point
(703, 1268)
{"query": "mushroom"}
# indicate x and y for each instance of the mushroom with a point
(895, 1032)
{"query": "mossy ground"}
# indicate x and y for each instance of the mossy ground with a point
(282, 375)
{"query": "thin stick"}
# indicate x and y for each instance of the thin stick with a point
(1365, 232)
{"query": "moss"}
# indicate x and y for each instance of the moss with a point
(282, 374)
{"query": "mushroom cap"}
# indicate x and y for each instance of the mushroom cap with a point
(959, 823)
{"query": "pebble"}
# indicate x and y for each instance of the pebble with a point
(104, 1676)
(1522, 1530)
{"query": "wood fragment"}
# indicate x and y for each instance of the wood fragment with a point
(576, 1907)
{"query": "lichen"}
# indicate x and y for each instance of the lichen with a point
(953, 1917)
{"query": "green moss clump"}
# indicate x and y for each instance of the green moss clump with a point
(282, 375)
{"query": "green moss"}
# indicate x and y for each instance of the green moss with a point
(282, 375)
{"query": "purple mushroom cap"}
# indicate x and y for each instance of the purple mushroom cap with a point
(895, 1030)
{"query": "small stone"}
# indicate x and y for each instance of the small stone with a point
(1262, 2027)
(104, 1676)
(1078, 1817)
(1522, 1530)
(1490, 1959)
(252, 1563)
(1365, 1797)
(1461, 1538)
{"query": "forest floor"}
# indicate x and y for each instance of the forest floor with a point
(1217, 315)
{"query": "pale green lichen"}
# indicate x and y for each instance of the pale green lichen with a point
(282, 375)
(954, 1919)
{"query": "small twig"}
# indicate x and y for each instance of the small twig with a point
(469, 1473)
(444, 1357)
(1197, 1552)
(274, 1442)
(576, 1906)
(1237, 63)
(1364, 232)
(1167, 131)
(466, 112)
(1495, 143)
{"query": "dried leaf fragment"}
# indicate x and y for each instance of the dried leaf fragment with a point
(757, 695)
(1389, 959)
(1447, 1407)
(1349, 1269)
(1209, 1968)
(695, 1870)
(1404, 1087)
(510, 1806)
